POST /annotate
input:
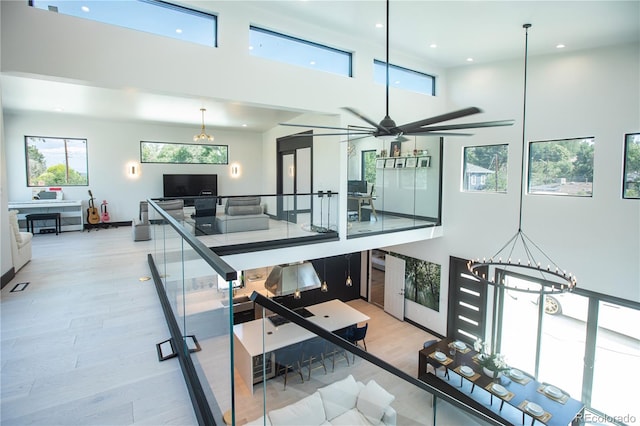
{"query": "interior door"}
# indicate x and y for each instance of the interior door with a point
(295, 176)
(394, 286)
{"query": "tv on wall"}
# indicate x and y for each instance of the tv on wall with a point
(189, 185)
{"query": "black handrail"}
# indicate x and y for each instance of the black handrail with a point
(294, 317)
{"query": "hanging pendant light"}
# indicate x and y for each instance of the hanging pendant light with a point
(349, 282)
(297, 294)
(324, 287)
(554, 279)
(203, 136)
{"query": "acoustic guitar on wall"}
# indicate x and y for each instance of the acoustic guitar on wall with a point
(93, 217)
(104, 214)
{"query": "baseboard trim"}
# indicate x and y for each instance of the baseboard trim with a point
(7, 277)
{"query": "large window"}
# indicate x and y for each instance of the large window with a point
(164, 152)
(404, 78)
(56, 161)
(156, 17)
(561, 167)
(485, 168)
(571, 340)
(631, 183)
(291, 50)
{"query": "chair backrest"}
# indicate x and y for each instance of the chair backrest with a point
(13, 224)
(360, 332)
(144, 212)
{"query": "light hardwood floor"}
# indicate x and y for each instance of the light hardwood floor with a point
(78, 344)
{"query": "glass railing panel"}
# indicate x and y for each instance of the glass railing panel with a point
(205, 312)
(393, 185)
(223, 221)
(329, 379)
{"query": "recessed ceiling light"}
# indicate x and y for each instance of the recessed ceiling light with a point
(379, 25)
(560, 46)
(433, 45)
(179, 30)
(396, 82)
(58, 108)
(469, 59)
(250, 47)
(312, 62)
(85, 8)
(244, 125)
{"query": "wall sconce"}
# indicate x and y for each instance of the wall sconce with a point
(235, 170)
(133, 170)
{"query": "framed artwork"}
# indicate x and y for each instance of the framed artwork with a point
(424, 161)
(395, 149)
(399, 163)
(411, 162)
(390, 163)
(380, 163)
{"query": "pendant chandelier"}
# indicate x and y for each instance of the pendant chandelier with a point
(534, 262)
(203, 136)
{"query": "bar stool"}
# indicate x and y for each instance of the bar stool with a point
(30, 218)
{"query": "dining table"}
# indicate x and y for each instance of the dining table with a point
(528, 399)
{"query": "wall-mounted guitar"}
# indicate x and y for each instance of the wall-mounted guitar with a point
(93, 218)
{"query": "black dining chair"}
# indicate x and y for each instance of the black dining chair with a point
(289, 358)
(358, 335)
(313, 352)
(332, 350)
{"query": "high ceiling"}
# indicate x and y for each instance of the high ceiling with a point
(486, 31)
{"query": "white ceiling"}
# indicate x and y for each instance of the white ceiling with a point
(487, 31)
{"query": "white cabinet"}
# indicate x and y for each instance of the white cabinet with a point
(71, 213)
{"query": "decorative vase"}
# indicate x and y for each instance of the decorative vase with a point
(491, 373)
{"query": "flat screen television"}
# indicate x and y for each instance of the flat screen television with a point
(357, 186)
(189, 185)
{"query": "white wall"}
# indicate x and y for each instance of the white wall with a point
(111, 145)
(589, 93)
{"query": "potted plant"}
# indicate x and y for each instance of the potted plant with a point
(493, 364)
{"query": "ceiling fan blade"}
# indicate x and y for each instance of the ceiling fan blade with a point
(461, 126)
(427, 133)
(367, 119)
(301, 135)
(406, 128)
(313, 126)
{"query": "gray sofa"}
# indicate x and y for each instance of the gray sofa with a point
(242, 214)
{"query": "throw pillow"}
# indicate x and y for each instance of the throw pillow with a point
(307, 411)
(373, 401)
(339, 397)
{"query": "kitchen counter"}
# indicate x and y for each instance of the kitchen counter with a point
(248, 337)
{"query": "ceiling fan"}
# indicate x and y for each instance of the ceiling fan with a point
(387, 128)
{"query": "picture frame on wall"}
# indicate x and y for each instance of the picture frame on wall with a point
(400, 163)
(395, 150)
(424, 161)
(380, 163)
(390, 163)
(411, 162)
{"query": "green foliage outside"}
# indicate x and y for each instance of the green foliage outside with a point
(60, 175)
(158, 152)
(632, 166)
(61, 152)
(490, 157)
(422, 282)
(556, 163)
(369, 160)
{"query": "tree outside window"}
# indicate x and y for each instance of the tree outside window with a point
(485, 168)
(561, 167)
(56, 161)
(631, 183)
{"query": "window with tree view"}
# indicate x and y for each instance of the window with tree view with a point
(164, 152)
(485, 168)
(561, 167)
(631, 184)
(56, 161)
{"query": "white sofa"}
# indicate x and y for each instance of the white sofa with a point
(345, 402)
(20, 242)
